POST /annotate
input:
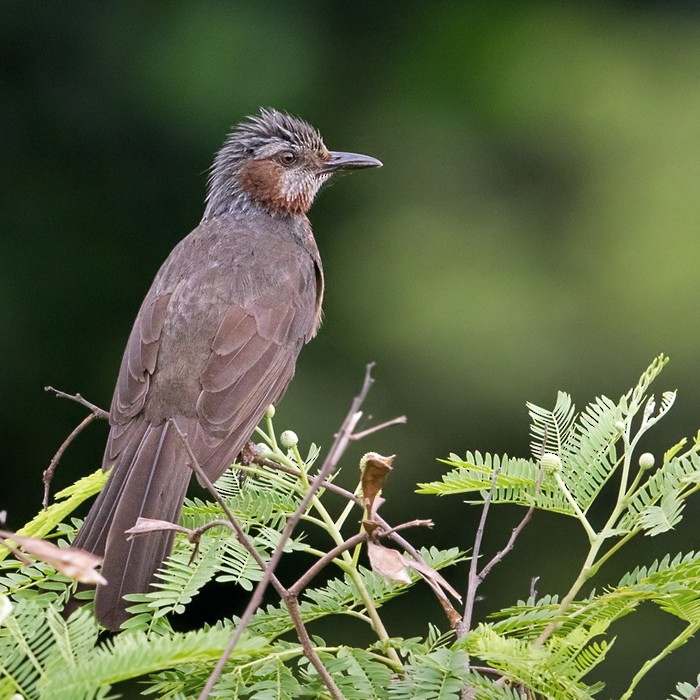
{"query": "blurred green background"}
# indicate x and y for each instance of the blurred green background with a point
(535, 228)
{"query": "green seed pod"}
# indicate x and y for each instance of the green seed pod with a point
(550, 462)
(288, 439)
(646, 460)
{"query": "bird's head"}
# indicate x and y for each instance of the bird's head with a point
(275, 161)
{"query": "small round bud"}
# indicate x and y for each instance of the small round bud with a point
(550, 462)
(270, 412)
(646, 460)
(620, 425)
(288, 439)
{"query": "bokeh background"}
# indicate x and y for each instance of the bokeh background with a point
(535, 228)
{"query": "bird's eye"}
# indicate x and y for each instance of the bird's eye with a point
(287, 157)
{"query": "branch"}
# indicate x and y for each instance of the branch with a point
(326, 559)
(399, 420)
(473, 580)
(343, 436)
(257, 597)
(342, 439)
(499, 556)
(95, 412)
(99, 412)
(327, 485)
(309, 651)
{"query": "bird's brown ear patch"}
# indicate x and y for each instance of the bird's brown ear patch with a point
(261, 180)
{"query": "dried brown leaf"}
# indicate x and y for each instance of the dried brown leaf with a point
(388, 562)
(375, 469)
(146, 525)
(431, 575)
(70, 561)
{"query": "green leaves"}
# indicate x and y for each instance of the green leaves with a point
(549, 645)
(541, 648)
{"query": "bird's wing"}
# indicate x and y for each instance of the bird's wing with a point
(252, 361)
(234, 332)
(138, 364)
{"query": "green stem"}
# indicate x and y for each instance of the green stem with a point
(350, 567)
(587, 570)
(592, 535)
(678, 641)
(618, 545)
(271, 431)
(597, 539)
(340, 521)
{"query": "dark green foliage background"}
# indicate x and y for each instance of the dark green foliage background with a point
(535, 226)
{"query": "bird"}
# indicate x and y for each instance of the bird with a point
(214, 343)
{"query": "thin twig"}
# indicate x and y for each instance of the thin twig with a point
(399, 420)
(47, 476)
(344, 435)
(342, 439)
(95, 412)
(404, 526)
(308, 647)
(16, 552)
(327, 485)
(257, 597)
(533, 587)
(326, 559)
(395, 537)
(498, 557)
(515, 532)
(99, 412)
(360, 537)
(473, 578)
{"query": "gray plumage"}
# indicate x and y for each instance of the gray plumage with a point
(214, 342)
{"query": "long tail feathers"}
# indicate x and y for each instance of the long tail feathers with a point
(149, 480)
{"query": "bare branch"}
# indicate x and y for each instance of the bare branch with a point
(267, 568)
(360, 537)
(304, 580)
(395, 537)
(498, 557)
(99, 412)
(342, 439)
(47, 476)
(533, 587)
(473, 578)
(308, 647)
(399, 420)
(327, 485)
(95, 412)
(344, 435)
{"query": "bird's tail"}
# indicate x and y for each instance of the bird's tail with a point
(149, 479)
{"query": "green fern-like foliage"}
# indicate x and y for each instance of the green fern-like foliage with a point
(549, 645)
(546, 648)
(42, 655)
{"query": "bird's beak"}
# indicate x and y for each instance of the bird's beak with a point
(349, 161)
